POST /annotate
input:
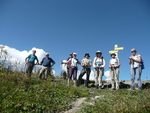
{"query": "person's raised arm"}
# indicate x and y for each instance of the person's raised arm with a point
(94, 63)
(65, 62)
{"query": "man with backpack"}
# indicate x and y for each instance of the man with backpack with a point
(73, 69)
(86, 64)
(98, 64)
(30, 62)
(135, 69)
(47, 63)
(114, 65)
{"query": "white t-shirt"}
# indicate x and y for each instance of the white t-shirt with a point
(74, 62)
(86, 61)
(135, 64)
(99, 60)
(114, 61)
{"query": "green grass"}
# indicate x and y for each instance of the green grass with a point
(121, 101)
(18, 94)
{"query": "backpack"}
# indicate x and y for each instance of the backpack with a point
(101, 58)
(141, 63)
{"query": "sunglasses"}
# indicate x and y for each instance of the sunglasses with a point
(133, 51)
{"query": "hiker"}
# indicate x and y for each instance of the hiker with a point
(86, 64)
(99, 64)
(47, 63)
(71, 55)
(73, 69)
(114, 65)
(30, 62)
(135, 69)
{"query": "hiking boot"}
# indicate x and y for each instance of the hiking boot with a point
(112, 89)
(138, 88)
(75, 85)
(101, 87)
(97, 87)
(117, 88)
(131, 89)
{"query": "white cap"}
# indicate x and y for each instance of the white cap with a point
(75, 53)
(98, 51)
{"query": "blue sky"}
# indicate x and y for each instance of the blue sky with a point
(63, 26)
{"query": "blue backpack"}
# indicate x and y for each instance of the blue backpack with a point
(142, 64)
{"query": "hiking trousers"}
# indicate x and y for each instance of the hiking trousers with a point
(136, 73)
(114, 73)
(73, 71)
(29, 69)
(98, 72)
(46, 70)
(87, 71)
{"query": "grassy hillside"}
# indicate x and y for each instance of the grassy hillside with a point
(19, 94)
(120, 101)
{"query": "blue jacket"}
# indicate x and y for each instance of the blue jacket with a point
(47, 62)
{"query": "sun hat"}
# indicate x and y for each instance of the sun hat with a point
(113, 54)
(98, 52)
(133, 50)
(87, 54)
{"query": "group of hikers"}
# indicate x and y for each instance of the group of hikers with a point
(135, 60)
(46, 63)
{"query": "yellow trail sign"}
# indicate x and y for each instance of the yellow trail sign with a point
(119, 48)
(113, 51)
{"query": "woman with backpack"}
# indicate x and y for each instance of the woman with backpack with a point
(114, 65)
(98, 64)
(137, 65)
(86, 64)
(73, 69)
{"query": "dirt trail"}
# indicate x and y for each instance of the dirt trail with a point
(76, 105)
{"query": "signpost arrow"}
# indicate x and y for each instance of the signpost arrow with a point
(119, 48)
(113, 51)
(116, 48)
